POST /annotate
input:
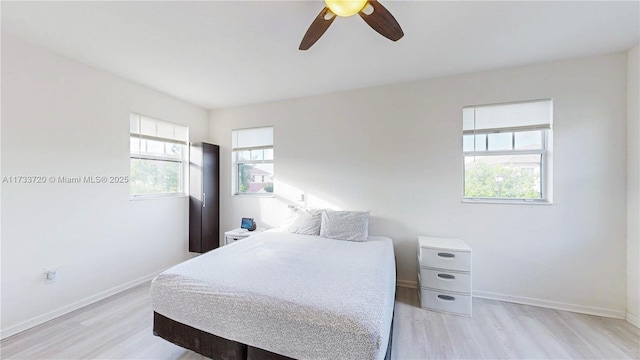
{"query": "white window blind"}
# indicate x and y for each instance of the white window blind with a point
(521, 116)
(252, 138)
(152, 129)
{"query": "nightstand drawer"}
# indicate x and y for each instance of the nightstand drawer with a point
(445, 280)
(445, 302)
(232, 236)
(446, 259)
(231, 239)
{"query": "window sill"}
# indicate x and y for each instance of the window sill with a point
(156, 197)
(506, 202)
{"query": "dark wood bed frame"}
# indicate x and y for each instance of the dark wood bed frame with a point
(216, 347)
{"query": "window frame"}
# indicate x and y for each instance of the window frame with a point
(182, 160)
(236, 163)
(544, 152)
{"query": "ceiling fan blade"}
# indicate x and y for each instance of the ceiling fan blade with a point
(382, 21)
(317, 28)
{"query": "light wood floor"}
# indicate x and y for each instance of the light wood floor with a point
(120, 328)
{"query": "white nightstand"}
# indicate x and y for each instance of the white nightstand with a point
(239, 234)
(444, 275)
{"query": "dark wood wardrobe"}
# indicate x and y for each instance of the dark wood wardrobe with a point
(204, 197)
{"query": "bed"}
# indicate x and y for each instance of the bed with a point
(279, 295)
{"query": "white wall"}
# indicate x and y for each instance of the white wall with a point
(633, 186)
(396, 150)
(62, 118)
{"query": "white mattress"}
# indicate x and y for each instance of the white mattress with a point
(300, 296)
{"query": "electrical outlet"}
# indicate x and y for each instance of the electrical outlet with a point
(50, 275)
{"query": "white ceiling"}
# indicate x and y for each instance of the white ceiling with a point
(224, 53)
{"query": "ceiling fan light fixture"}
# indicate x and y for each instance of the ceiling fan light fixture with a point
(345, 7)
(371, 11)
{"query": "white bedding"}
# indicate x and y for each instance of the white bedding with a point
(301, 296)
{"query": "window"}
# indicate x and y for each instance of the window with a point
(157, 157)
(252, 161)
(506, 151)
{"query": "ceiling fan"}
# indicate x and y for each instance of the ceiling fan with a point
(371, 11)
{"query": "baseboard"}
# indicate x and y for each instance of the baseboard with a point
(41, 319)
(633, 319)
(407, 284)
(38, 320)
(590, 310)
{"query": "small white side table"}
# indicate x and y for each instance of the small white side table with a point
(239, 234)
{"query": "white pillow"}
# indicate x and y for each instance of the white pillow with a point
(345, 225)
(306, 222)
(292, 215)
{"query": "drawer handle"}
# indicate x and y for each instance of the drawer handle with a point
(446, 276)
(446, 297)
(446, 255)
